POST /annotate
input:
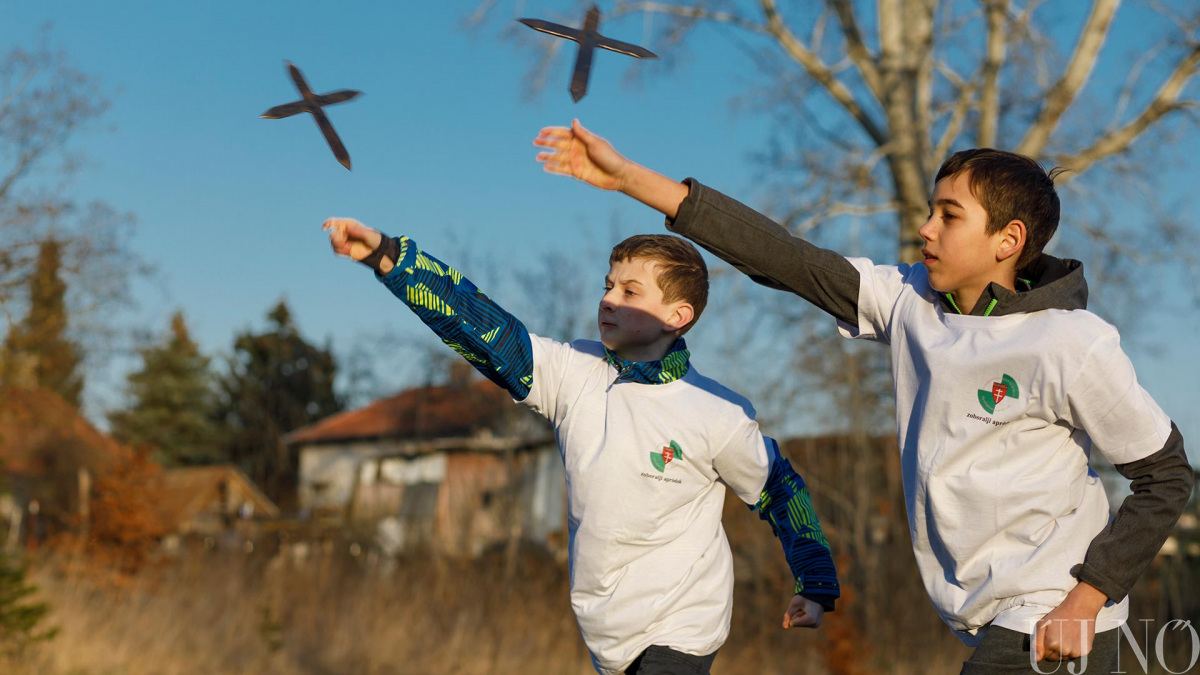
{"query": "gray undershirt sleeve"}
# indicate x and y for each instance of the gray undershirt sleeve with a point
(1162, 485)
(766, 252)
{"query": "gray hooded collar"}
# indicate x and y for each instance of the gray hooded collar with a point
(1048, 283)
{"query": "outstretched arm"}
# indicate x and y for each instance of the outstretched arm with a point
(787, 506)
(495, 342)
(753, 243)
(579, 153)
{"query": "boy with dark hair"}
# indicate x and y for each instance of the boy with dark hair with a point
(645, 440)
(1003, 383)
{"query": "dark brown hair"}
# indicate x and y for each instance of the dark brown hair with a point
(1010, 187)
(682, 274)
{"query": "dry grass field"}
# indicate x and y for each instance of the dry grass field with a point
(332, 613)
(340, 609)
(242, 614)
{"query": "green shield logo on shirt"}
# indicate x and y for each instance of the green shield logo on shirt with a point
(1005, 388)
(665, 456)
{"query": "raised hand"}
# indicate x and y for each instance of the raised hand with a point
(351, 238)
(803, 613)
(579, 153)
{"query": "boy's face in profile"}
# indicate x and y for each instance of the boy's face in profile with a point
(632, 316)
(960, 256)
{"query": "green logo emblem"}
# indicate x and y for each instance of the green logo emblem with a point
(661, 459)
(1005, 388)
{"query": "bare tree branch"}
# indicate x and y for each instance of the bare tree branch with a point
(18, 170)
(996, 16)
(481, 12)
(857, 49)
(1029, 46)
(1164, 102)
(695, 13)
(954, 127)
(1004, 71)
(1079, 69)
(820, 72)
(803, 226)
(44, 102)
(816, 39)
(17, 91)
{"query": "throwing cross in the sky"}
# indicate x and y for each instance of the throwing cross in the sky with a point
(312, 103)
(588, 40)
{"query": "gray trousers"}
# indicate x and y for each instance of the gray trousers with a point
(658, 660)
(1005, 652)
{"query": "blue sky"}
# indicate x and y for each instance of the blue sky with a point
(229, 206)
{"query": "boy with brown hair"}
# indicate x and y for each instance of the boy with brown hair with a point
(645, 440)
(1003, 382)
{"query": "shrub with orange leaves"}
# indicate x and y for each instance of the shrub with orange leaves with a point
(125, 527)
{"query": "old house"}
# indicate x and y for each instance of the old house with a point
(458, 467)
(49, 456)
(218, 503)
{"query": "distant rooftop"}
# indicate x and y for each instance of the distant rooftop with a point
(39, 430)
(188, 490)
(419, 413)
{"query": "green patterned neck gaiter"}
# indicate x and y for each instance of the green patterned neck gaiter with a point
(672, 366)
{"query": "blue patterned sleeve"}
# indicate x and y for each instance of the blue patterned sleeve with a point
(787, 506)
(495, 342)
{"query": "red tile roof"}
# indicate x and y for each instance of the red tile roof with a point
(38, 430)
(419, 413)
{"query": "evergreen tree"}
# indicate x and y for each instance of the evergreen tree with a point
(277, 382)
(36, 351)
(20, 619)
(173, 402)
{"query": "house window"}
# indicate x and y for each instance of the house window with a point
(420, 501)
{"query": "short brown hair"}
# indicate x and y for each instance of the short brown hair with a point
(1010, 187)
(682, 274)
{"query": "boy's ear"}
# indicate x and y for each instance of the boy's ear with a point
(1011, 240)
(680, 316)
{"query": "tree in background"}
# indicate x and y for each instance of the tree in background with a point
(21, 621)
(37, 352)
(172, 402)
(277, 382)
(866, 99)
(45, 105)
